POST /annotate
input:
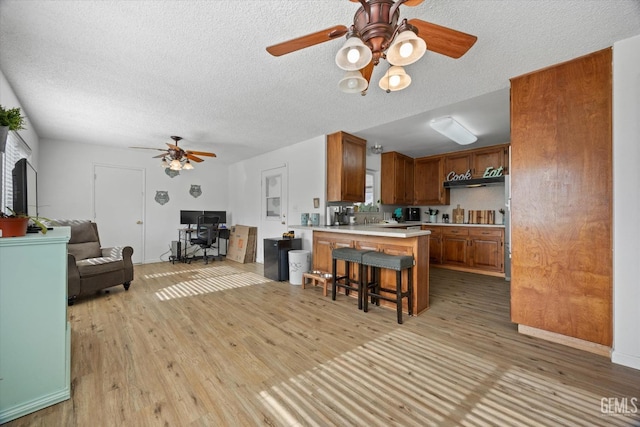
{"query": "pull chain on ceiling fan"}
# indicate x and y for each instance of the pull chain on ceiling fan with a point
(376, 34)
(175, 158)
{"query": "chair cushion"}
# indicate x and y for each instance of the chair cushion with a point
(84, 250)
(349, 254)
(95, 266)
(82, 233)
(392, 262)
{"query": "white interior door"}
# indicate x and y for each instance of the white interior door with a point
(274, 207)
(119, 207)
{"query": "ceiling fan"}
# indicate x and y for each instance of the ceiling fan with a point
(175, 158)
(377, 33)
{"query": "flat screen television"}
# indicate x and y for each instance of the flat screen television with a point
(25, 188)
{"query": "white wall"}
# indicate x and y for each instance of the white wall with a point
(65, 188)
(306, 181)
(626, 202)
(8, 100)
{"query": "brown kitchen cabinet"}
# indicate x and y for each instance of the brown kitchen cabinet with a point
(473, 249)
(435, 244)
(397, 179)
(428, 180)
(477, 161)
(346, 167)
(455, 246)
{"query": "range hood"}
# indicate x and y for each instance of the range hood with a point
(478, 182)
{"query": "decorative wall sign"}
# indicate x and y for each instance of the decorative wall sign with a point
(162, 197)
(489, 172)
(195, 190)
(171, 173)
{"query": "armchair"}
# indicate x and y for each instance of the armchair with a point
(91, 268)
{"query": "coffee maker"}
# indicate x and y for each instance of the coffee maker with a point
(412, 214)
(337, 215)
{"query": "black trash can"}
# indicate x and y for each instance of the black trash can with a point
(276, 260)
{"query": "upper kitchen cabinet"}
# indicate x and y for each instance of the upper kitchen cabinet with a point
(346, 167)
(396, 182)
(428, 180)
(477, 161)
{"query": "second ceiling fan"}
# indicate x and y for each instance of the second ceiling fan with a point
(377, 33)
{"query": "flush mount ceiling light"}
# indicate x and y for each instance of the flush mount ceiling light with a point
(453, 130)
(378, 33)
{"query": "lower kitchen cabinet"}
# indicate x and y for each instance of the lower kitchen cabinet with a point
(472, 249)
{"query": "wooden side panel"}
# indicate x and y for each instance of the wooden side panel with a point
(562, 198)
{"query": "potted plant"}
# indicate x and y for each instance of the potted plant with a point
(10, 119)
(15, 225)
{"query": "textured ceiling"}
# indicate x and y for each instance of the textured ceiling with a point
(132, 73)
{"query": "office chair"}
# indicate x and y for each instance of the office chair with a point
(206, 233)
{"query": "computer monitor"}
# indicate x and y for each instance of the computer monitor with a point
(189, 217)
(221, 214)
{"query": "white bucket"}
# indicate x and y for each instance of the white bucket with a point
(299, 263)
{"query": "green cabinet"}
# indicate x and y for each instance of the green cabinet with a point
(35, 337)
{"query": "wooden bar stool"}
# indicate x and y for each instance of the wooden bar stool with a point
(378, 260)
(349, 256)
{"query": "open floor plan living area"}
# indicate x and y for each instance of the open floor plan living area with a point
(217, 344)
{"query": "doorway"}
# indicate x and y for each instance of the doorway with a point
(119, 207)
(274, 204)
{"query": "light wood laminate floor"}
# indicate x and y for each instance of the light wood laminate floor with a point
(219, 345)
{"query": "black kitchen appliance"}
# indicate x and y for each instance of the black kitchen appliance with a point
(412, 214)
(276, 257)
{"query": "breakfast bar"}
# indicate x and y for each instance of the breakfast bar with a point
(392, 241)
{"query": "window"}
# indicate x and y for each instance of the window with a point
(15, 150)
(369, 194)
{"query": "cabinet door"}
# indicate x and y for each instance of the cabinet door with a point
(346, 168)
(396, 182)
(428, 177)
(490, 158)
(354, 168)
(322, 247)
(457, 163)
(455, 246)
(487, 250)
(435, 245)
(409, 171)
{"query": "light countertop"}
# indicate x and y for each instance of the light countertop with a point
(367, 230)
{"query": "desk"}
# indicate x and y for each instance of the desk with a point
(184, 240)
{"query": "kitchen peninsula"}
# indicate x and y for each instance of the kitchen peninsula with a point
(384, 238)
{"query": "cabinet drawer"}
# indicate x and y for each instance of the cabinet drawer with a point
(481, 232)
(455, 231)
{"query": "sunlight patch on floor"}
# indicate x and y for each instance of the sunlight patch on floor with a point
(404, 379)
(207, 280)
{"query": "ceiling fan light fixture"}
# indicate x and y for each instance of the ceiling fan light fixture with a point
(406, 49)
(353, 82)
(396, 78)
(453, 130)
(354, 55)
(187, 165)
(175, 165)
(164, 163)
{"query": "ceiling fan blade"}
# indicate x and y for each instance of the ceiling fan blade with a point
(410, 3)
(149, 148)
(367, 71)
(201, 153)
(174, 147)
(161, 155)
(308, 40)
(443, 40)
(194, 158)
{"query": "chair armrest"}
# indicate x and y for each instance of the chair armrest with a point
(73, 277)
(124, 253)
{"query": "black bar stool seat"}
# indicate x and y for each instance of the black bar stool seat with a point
(349, 256)
(399, 263)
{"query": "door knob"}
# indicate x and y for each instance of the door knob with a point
(138, 222)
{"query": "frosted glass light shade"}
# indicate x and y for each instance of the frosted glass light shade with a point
(396, 78)
(354, 55)
(353, 82)
(187, 166)
(453, 130)
(175, 165)
(406, 49)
